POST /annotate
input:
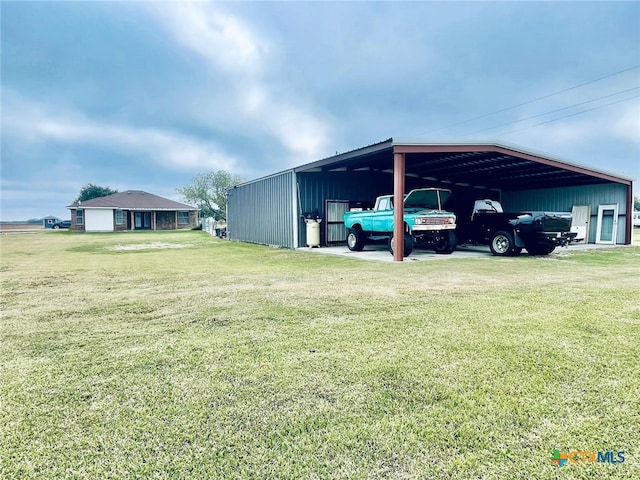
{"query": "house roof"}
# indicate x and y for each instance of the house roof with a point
(491, 164)
(132, 200)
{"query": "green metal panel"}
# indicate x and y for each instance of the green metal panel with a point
(562, 199)
(263, 211)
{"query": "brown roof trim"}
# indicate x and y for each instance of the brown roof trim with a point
(340, 157)
(425, 148)
(136, 209)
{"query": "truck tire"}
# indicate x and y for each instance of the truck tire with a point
(540, 249)
(502, 244)
(356, 240)
(408, 244)
(449, 244)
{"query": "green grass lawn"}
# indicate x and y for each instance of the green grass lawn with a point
(177, 355)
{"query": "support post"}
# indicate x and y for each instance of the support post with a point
(628, 224)
(398, 206)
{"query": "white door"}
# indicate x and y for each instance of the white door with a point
(607, 224)
(580, 216)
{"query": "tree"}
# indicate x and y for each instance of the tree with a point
(636, 204)
(90, 191)
(208, 191)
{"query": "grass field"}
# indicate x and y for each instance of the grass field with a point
(177, 355)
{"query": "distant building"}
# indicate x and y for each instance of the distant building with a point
(131, 210)
(47, 222)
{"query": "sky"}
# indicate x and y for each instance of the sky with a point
(146, 95)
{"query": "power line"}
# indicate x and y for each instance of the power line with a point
(555, 111)
(571, 115)
(531, 101)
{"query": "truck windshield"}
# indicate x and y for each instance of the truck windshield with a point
(427, 199)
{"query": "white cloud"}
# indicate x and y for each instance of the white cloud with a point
(26, 193)
(223, 40)
(36, 123)
(232, 48)
(621, 122)
(627, 125)
(300, 133)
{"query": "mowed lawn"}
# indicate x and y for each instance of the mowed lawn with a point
(178, 355)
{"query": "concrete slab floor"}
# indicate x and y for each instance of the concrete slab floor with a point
(379, 252)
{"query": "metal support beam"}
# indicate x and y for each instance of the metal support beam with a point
(398, 206)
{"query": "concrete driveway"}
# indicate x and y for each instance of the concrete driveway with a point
(379, 252)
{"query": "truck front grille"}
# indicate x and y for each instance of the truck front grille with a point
(432, 221)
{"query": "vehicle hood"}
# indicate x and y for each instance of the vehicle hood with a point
(430, 212)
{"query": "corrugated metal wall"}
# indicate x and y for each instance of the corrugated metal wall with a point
(563, 199)
(335, 231)
(315, 188)
(263, 211)
(269, 210)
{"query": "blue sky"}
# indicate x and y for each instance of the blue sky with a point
(145, 95)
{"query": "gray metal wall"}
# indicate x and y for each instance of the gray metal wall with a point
(270, 211)
(563, 199)
(315, 188)
(263, 211)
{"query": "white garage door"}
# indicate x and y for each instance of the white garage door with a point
(98, 221)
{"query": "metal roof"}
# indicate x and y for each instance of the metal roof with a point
(491, 165)
(133, 200)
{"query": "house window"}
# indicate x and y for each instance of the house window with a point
(183, 218)
(79, 217)
(119, 217)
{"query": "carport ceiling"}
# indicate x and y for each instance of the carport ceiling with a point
(487, 165)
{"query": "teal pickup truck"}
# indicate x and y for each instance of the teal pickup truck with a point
(425, 222)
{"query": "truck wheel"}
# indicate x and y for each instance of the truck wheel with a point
(408, 244)
(501, 244)
(544, 249)
(356, 239)
(448, 244)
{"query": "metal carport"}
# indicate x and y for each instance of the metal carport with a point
(524, 179)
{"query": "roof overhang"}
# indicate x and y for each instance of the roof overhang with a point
(491, 165)
(134, 209)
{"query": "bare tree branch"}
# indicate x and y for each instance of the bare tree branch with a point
(208, 191)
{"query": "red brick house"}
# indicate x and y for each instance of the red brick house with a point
(131, 210)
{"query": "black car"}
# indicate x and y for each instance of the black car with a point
(62, 224)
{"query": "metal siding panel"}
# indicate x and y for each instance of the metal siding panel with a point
(336, 232)
(261, 211)
(564, 198)
(316, 187)
(336, 212)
